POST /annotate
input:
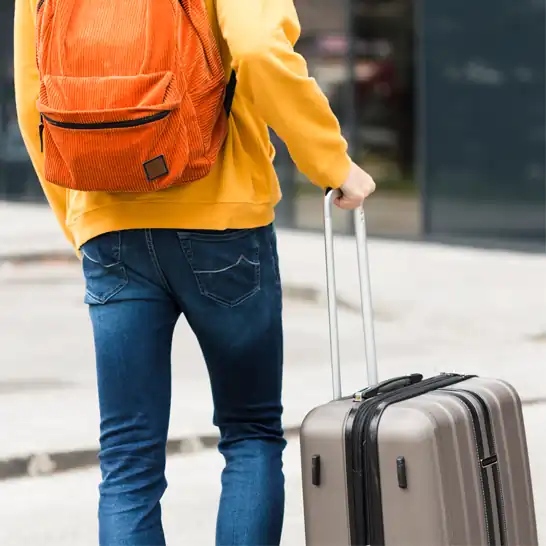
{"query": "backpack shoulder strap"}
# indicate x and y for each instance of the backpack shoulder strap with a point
(230, 92)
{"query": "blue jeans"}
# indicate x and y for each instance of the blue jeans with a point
(227, 285)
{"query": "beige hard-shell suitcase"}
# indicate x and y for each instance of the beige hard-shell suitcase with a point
(440, 461)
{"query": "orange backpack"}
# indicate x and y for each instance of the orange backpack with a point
(132, 93)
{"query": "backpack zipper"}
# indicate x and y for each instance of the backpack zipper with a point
(124, 124)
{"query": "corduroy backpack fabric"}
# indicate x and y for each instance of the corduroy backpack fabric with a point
(132, 93)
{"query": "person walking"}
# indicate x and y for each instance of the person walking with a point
(147, 125)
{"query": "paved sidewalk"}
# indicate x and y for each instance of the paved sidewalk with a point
(29, 230)
(61, 510)
(437, 309)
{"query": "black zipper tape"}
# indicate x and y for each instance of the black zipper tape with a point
(480, 448)
(123, 124)
(364, 486)
(493, 463)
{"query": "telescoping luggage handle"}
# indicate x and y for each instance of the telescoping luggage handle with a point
(365, 293)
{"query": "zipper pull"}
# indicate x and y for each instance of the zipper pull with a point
(41, 132)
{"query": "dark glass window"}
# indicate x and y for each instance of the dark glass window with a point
(17, 178)
(482, 118)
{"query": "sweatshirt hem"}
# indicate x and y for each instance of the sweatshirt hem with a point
(164, 215)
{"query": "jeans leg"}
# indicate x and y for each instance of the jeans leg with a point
(232, 301)
(133, 320)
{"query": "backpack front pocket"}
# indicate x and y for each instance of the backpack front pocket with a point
(124, 134)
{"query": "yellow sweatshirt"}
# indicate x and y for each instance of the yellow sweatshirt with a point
(256, 38)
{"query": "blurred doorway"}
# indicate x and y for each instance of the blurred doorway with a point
(376, 60)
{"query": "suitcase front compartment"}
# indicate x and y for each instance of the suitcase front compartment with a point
(460, 467)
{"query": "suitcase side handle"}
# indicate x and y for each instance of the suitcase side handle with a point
(365, 293)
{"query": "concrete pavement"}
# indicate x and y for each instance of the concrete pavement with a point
(437, 309)
(29, 230)
(61, 510)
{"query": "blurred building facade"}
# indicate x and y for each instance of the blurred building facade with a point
(443, 102)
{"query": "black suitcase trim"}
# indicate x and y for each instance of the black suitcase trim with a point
(492, 462)
(362, 458)
(480, 453)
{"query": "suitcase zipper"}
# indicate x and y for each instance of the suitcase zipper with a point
(486, 462)
(496, 470)
(365, 509)
(482, 472)
(361, 521)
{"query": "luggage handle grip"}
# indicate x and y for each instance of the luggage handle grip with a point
(389, 385)
(365, 293)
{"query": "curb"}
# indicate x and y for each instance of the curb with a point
(48, 464)
(66, 255)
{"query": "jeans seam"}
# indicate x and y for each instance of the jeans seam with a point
(155, 260)
(117, 247)
(215, 236)
(274, 257)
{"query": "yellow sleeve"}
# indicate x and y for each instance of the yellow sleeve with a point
(27, 86)
(261, 35)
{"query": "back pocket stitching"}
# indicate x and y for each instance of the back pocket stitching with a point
(188, 253)
(242, 258)
(97, 262)
(110, 294)
(116, 250)
(116, 253)
(239, 300)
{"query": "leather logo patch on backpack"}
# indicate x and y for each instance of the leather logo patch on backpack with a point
(156, 168)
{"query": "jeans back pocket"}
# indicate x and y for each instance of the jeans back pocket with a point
(226, 264)
(105, 275)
